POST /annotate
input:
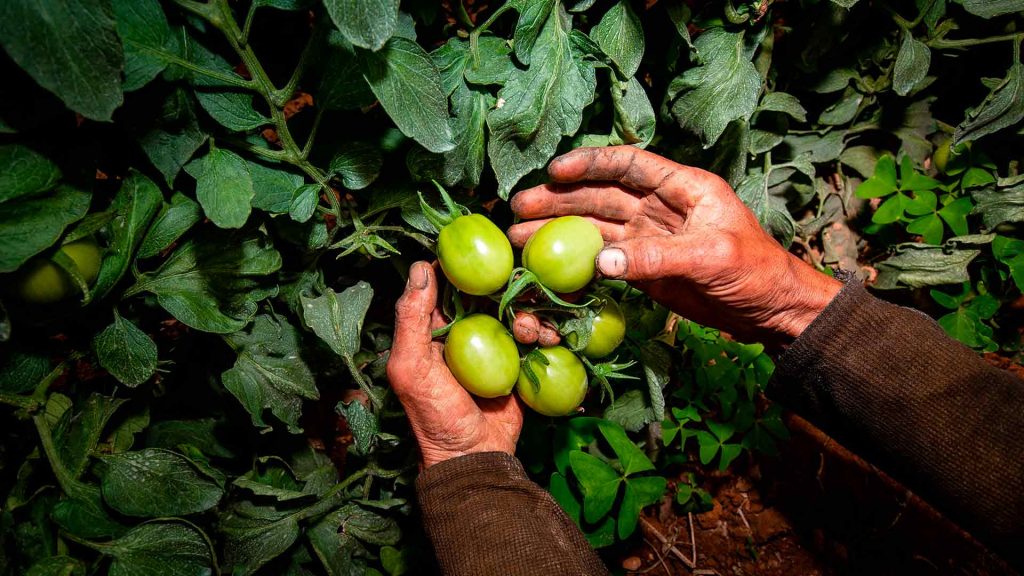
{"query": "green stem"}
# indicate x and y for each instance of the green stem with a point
(463, 15)
(247, 27)
(312, 132)
(474, 36)
(65, 478)
(229, 79)
(941, 43)
(26, 402)
(282, 96)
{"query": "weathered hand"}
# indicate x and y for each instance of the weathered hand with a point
(446, 420)
(683, 236)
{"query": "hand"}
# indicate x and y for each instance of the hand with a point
(681, 235)
(446, 420)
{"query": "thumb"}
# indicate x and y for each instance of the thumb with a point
(413, 313)
(642, 259)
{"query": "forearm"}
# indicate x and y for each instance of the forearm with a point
(889, 383)
(484, 516)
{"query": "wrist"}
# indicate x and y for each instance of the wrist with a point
(807, 296)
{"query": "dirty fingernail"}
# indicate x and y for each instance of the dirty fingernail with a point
(418, 277)
(611, 263)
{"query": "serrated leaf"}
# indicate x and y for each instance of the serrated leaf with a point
(993, 8)
(634, 121)
(224, 187)
(1002, 108)
(408, 85)
(213, 283)
(304, 202)
(273, 186)
(30, 225)
(630, 410)
(364, 23)
(129, 354)
(621, 37)
(362, 423)
(69, 47)
(843, 111)
(357, 164)
(723, 88)
(539, 105)
(146, 36)
(770, 212)
(153, 482)
(912, 64)
(785, 103)
(175, 137)
(532, 17)
(231, 109)
(269, 372)
(338, 318)
(159, 549)
(26, 172)
(176, 219)
(135, 205)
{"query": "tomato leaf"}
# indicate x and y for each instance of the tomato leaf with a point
(26, 172)
(912, 64)
(153, 482)
(621, 37)
(128, 353)
(223, 187)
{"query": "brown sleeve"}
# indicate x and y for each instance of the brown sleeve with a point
(484, 516)
(887, 382)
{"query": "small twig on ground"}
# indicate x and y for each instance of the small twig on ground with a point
(669, 545)
(659, 562)
(693, 537)
(743, 516)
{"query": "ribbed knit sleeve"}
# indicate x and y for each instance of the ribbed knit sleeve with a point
(888, 383)
(485, 516)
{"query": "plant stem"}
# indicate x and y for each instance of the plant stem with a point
(940, 43)
(282, 96)
(474, 36)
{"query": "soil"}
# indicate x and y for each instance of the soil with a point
(816, 510)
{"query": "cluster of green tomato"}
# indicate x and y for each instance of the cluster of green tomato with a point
(45, 280)
(477, 259)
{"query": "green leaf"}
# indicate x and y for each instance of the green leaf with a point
(249, 543)
(634, 116)
(533, 14)
(273, 187)
(955, 214)
(923, 202)
(891, 210)
(269, 372)
(26, 172)
(203, 434)
(709, 446)
(771, 212)
(153, 482)
(621, 37)
(70, 48)
(912, 64)
(357, 165)
(362, 423)
(563, 494)
(975, 177)
(723, 88)
(22, 369)
(175, 137)
(945, 300)
(147, 37)
(631, 410)
(165, 548)
(493, 67)
(729, 453)
(224, 187)
(929, 227)
(785, 103)
(631, 457)
(342, 86)
(129, 354)
(993, 8)
(231, 109)
(30, 225)
(917, 265)
(338, 318)
(997, 205)
(1002, 108)
(539, 105)
(85, 516)
(962, 325)
(304, 202)
(213, 283)
(177, 218)
(598, 482)
(639, 492)
(136, 203)
(57, 566)
(364, 23)
(843, 111)
(408, 85)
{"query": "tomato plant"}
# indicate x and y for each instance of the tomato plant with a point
(482, 355)
(261, 173)
(561, 253)
(561, 381)
(609, 329)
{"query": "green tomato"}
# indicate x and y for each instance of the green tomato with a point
(609, 330)
(561, 254)
(475, 255)
(482, 356)
(43, 281)
(563, 383)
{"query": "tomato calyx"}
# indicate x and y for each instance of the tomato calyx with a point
(437, 218)
(522, 279)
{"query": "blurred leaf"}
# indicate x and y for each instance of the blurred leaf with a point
(26, 172)
(30, 225)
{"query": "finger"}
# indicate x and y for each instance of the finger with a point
(604, 200)
(548, 335)
(642, 171)
(657, 257)
(525, 328)
(504, 410)
(520, 233)
(437, 319)
(413, 318)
